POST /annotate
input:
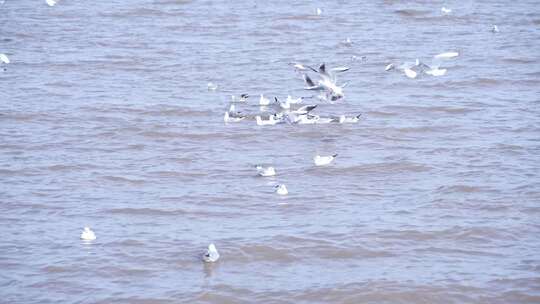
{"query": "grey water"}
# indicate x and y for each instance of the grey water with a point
(106, 121)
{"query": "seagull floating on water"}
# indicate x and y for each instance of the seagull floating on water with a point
(291, 100)
(281, 189)
(4, 59)
(87, 234)
(212, 86)
(323, 160)
(319, 11)
(344, 119)
(265, 171)
(211, 255)
(495, 29)
(446, 55)
(445, 10)
(267, 122)
(232, 116)
(51, 2)
(263, 101)
(243, 98)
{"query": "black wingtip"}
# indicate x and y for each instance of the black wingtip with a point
(334, 155)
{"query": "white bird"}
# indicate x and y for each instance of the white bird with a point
(232, 117)
(304, 109)
(269, 122)
(446, 55)
(4, 58)
(323, 160)
(212, 86)
(265, 171)
(211, 255)
(243, 98)
(347, 42)
(281, 189)
(319, 11)
(263, 101)
(51, 2)
(445, 10)
(410, 73)
(291, 100)
(436, 72)
(87, 234)
(344, 119)
(389, 67)
(285, 105)
(495, 29)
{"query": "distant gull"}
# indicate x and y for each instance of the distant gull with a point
(304, 109)
(291, 100)
(265, 171)
(87, 234)
(445, 10)
(323, 160)
(410, 73)
(243, 98)
(495, 29)
(4, 58)
(344, 119)
(211, 255)
(263, 101)
(267, 122)
(51, 2)
(281, 189)
(212, 86)
(319, 11)
(347, 42)
(232, 116)
(446, 55)
(301, 67)
(283, 104)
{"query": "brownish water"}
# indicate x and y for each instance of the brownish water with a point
(106, 121)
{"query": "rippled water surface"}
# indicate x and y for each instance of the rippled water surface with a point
(106, 121)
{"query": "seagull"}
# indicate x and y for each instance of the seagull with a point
(212, 86)
(327, 82)
(263, 101)
(344, 119)
(347, 42)
(87, 234)
(319, 11)
(304, 119)
(323, 160)
(270, 122)
(265, 171)
(4, 58)
(495, 29)
(281, 189)
(211, 255)
(291, 100)
(304, 109)
(283, 104)
(301, 67)
(243, 98)
(446, 55)
(232, 116)
(51, 2)
(445, 10)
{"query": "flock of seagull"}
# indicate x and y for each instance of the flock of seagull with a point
(292, 110)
